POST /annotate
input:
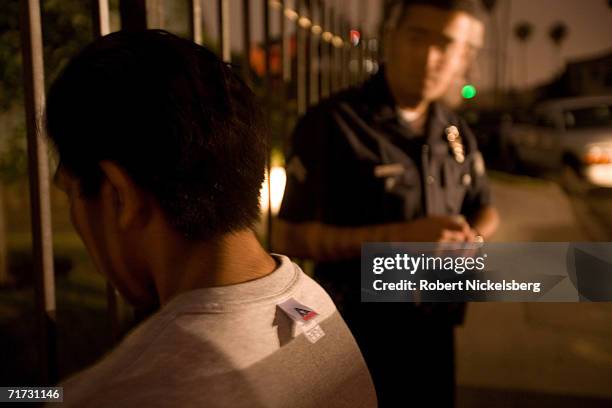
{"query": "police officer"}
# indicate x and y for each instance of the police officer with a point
(389, 162)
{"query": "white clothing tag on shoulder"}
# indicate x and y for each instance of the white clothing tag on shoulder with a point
(304, 317)
(297, 311)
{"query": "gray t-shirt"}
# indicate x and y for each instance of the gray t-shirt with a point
(233, 346)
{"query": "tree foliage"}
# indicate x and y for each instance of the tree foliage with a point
(66, 28)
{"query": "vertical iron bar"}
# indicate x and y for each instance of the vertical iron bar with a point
(352, 61)
(337, 56)
(315, 36)
(306, 24)
(325, 50)
(224, 30)
(285, 61)
(40, 203)
(195, 21)
(362, 41)
(359, 58)
(346, 50)
(155, 13)
(332, 49)
(4, 277)
(363, 56)
(133, 14)
(246, 39)
(301, 60)
(341, 48)
(101, 21)
(268, 91)
(374, 51)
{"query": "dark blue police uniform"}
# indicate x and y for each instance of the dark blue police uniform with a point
(353, 162)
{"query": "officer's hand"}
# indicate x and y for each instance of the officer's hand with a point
(471, 235)
(438, 229)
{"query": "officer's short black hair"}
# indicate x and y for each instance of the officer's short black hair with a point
(398, 9)
(179, 120)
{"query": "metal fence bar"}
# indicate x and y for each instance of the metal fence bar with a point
(38, 169)
(301, 60)
(4, 273)
(267, 84)
(133, 14)
(345, 52)
(155, 13)
(356, 59)
(332, 50)
(342, 28)
(363, 41)
(315, 63)
(352, 60)
(284, 56)
(340, 50)
(195, 21)
(361, 58)
(101, 20)
(306, 24)
(246, 39)
(286, 38)
(223, 13)
(284, 50)
(337, 56)
(326, 49)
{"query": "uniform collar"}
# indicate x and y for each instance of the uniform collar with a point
(379, 97)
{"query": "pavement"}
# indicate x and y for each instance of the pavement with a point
(537, 349)
(535, 210)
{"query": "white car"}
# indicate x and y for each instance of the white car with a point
(571, 136)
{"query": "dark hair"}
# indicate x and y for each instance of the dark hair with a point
(396, 10)
(178, 119)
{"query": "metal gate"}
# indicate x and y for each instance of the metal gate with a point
(310, 50)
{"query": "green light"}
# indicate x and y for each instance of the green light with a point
(468, 91)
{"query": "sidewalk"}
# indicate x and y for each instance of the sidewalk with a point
(534, 210)
(560, 349)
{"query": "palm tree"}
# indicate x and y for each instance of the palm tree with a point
(557, 34)
(523, 32)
